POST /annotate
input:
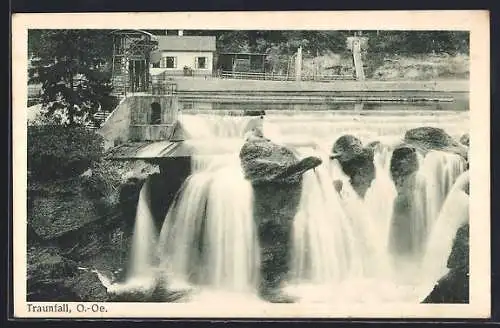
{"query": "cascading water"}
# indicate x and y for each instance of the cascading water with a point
(209, 238)
(454, 213)
(340, 241)
(324, 247)
(232, 254)
(182, 230)
(436, 175)
(214, 126)
(379, 199)
(144, 238)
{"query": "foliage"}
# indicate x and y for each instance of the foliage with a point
(317, 43)
(418, 42)
(73, 68)
(281, 45)
(58, 152)
(105, 181)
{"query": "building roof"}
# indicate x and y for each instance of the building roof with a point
(186, 43)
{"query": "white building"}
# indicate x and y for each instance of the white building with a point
(184, 55)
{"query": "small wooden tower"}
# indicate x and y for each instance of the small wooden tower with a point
(131, 54)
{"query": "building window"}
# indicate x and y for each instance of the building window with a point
(201, 62)
(156, 65)
(155, 113)
(169, 62)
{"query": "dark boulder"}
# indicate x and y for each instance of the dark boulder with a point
(47, 271)
(404, 163)
(276, 176)
(88, 287)
(164, 186)
(266, 162)
(464, 139)
(346, 147)
(459, 256)
(403, 167)
(60, 207)
(275, 206)
(454, 286)
(417, 141)
(431, 138)
(129, 198)
(356, 162)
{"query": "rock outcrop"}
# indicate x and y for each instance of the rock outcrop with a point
(454, 286)
(403, 169)
(464, 139)
(276, 176)
(47, 272)
(356, 162)
(60, 207)
(88, 288)
(403, 166)
(431, 138)
(266, 162)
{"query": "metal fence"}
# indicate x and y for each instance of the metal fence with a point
(265, 76)
(271, 76)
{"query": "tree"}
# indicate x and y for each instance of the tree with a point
(73, 68)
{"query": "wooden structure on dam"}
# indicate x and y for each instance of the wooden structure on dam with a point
(148, 112)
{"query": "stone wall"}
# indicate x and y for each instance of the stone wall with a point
(136, 111)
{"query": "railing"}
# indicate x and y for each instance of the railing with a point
(158, 85)
(270, 76)
(162, 86)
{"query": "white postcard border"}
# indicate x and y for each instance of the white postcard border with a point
(477, 22)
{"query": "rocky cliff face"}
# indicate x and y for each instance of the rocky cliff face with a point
(72, 229)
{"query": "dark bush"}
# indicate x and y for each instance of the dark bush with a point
(58, 152)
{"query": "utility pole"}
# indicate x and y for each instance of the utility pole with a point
(355, 45)
(298, 64)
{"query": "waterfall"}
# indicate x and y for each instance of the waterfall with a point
(232, 254)
(215, 126)
(144, 238)
(340, 241)
(181, 231)
(379, 202)
(324, 249)
(453, 214)
(208, 237)
(436, 175)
